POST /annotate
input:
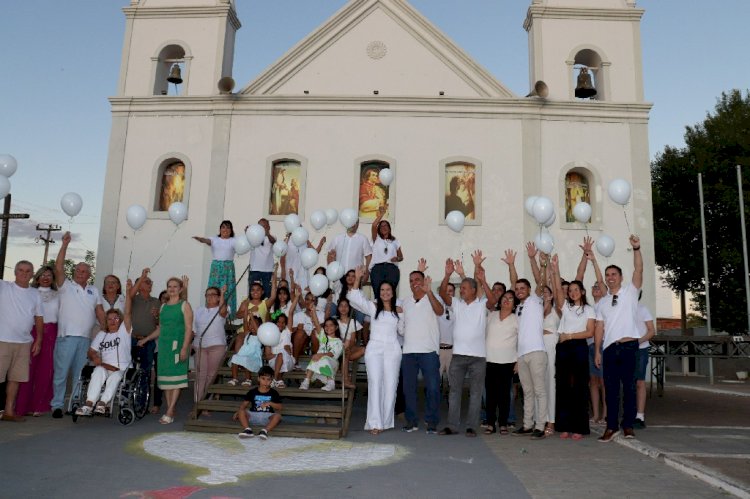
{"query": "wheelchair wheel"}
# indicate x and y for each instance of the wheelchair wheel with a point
(125, 416)
(140, 395)
(73, 409)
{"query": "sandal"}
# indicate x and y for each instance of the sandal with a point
(375, 431)
(166, 419)
(503, 430)
(490, 430)
(548, 431)
(564, 435)
(577, 436)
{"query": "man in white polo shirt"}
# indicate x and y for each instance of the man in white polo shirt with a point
(261, 261)
(617, 334)
(351, 249)
(20, 310)
(420, 350)
(78, 301)
(469, 348)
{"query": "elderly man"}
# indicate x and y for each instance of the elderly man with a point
(420, 351)
(20, 310)
(78, 300)
(469, 349)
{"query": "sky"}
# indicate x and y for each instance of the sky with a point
(59, 62)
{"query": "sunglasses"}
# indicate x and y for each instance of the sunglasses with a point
(519, 311)
(614, 300)
(447, 315)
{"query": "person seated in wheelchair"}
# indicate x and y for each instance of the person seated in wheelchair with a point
(110, 354)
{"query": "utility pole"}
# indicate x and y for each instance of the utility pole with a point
(6, 217)
(49, 229)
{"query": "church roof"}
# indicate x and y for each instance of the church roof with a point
(382, 46)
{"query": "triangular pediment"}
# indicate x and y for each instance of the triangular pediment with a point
(377, 45)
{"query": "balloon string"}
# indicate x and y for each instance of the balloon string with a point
(586, 228)
(166, 246)
(625, 213)
(130, 258)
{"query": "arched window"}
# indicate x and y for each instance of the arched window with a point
(171, 71)
(577, 189)
(287, 179)
(171, 184)
(373, 196)
(461, 188)
(589, 61)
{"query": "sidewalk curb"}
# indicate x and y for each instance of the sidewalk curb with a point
(710, 389)
(696, 470)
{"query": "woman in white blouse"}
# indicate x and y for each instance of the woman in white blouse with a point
(383, 353)
(502, 349)
(572, 362)
(209, 339)
(386, 253)
(34, 396)
(222, 262)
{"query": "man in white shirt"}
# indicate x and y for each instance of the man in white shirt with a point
(617, 335)
(20, 311)
(352, 249)
(445, 323)
(469, 348)
(420, 350)
(78, 301)
(261, 261)
(646, 331)
(532, 354)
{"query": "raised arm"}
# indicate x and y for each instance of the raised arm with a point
(443, 291)
(355, 296)
(597, 271)
(481, 278)
(296, 293)
(139, 282)
(320, 245)
(314, 316)
(60, 261)
(635, 242)
(128, 316)
(437, 307)
(531, 251)
(510, 260)
(586, 248)
(374, 226)
(478, 259)
(274, 285)
(557, 289)
(223, 309)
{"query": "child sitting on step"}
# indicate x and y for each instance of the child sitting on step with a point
(324, 364)
(249, 355)
(262, 407)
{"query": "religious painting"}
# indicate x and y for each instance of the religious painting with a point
(285, 193)
(172, 185)
(373, 195)
(460, 181)
(576, 191)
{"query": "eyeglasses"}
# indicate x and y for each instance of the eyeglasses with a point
(519, 311)
(614, 300)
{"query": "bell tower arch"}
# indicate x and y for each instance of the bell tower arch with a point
(177, 47)
(586, 49)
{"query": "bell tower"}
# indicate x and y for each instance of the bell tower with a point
(586, 49)
(177, 47)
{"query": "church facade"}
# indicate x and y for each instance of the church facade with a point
(377, 85)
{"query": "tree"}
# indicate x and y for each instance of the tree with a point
(90, 258)
(713, 148)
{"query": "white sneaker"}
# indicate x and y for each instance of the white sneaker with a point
(274, 383)
(233, 382)
(248, 383)
(100, 409)
(329, 386)
(305, 384)
(280, 384)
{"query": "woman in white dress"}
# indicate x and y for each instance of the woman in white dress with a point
(383, 353)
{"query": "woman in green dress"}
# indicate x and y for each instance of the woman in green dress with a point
(174, 334)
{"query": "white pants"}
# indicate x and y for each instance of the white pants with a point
(383, 362)
(550, 345)
(109, 379)
(532, 371)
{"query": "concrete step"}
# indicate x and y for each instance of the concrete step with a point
(301, 408)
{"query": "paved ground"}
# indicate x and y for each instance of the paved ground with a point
(51, 458)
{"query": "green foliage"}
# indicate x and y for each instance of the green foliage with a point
(713, 148)
(90, 258)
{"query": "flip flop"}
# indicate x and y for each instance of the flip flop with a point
(490, 430)
(166, 419)
(577, 436)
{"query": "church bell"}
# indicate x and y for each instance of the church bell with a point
(175, 76)
(584, 88)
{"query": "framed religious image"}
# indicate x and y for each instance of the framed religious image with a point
(460, 189)
(576, 191)
(373, 197)
(285, 188)
(171, 185)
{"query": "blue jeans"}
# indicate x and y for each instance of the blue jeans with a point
(70, 357)
(429, 364)
(619, 370)
(264, 278)
(641, 364)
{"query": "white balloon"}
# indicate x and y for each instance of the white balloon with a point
(318, 284)
(300, 237)
(332, 216)
(309, 259)
(291, 222)
(241, 244)
(4, 186)
(256, 234)
(71, 203)
(605, 245)
(619, 191)
(8, 166)
(529, 204)
(136, 216)
(386, 176)
(582, 212)
(269, 334)
(348, 217)
(545, 242)
(334, 271)
(279, 248)
(542, 209)
(318, 219)
(455, 220)
(551, 220)
(177, 213)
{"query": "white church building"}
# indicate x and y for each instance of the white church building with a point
(376, 85)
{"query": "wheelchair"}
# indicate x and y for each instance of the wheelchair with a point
(130, 402)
